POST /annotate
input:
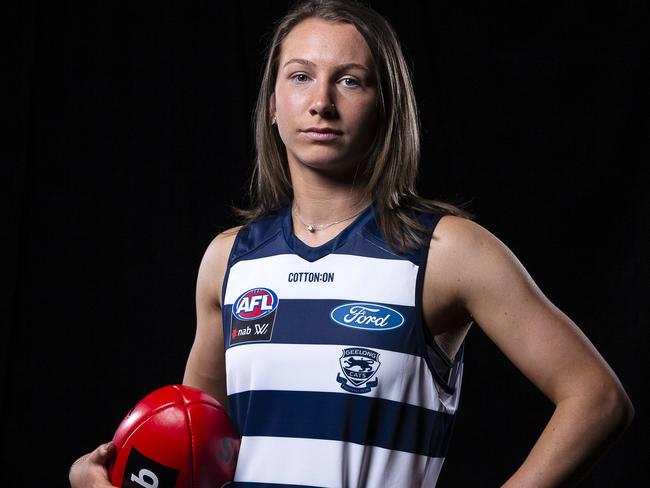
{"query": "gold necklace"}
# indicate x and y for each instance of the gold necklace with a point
(314, 227)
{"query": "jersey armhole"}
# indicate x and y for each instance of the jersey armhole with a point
(443, 369)
(225, 324)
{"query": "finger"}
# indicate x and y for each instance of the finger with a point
(91, 469)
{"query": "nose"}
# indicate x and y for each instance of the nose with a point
(323, 104)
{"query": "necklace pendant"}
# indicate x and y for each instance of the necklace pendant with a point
(310, 228)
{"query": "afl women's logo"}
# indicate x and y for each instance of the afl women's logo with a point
(255, 304)
(367, 316)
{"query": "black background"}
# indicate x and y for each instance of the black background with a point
(129, 138)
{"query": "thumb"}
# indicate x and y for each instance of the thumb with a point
(103, 454)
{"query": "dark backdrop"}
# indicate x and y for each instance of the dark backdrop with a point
(129, 138)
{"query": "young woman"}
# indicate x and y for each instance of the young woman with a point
(332, 322)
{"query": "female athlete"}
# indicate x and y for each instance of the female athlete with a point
(332, 321)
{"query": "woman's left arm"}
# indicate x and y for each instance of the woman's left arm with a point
(591, 406)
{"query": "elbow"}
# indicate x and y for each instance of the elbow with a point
(617, 409)
(627, 411)
(603, 404)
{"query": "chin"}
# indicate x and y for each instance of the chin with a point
(326, 159)
(321, 159)
(339, 170)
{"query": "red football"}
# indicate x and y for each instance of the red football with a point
(175, 437)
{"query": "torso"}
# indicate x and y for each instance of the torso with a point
(402, 377)
(447, 320)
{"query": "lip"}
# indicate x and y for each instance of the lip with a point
(322, 133)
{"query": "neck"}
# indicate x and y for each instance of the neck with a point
(323, 200)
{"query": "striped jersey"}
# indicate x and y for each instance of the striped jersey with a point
(332, 378)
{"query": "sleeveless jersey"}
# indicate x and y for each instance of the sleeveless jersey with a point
(332, 378)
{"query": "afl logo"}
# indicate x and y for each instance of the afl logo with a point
(255, 304)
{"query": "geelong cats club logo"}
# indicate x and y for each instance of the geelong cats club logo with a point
(359, 365)
(253, 316)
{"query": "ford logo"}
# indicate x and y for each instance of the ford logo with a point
(367, 316)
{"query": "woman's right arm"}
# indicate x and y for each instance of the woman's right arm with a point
(205, 367)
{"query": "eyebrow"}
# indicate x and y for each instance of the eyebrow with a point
(306, 62)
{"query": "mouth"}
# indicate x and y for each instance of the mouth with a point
(322, 133)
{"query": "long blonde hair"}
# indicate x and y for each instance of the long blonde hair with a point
(395, 151)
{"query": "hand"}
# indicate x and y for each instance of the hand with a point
(90, 470)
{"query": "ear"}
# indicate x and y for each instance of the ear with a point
(272, 105)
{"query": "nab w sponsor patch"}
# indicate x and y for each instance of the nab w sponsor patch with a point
(367, 316)
(253, 316)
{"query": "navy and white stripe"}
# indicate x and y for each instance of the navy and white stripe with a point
(304, 420)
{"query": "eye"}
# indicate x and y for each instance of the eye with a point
(350, 82)
(299, 78)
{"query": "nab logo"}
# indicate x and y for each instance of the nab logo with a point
(255, 304)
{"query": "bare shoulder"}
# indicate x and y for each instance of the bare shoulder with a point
(219, 248)
(458, 234)
(214, 264)
(461, 254)
(453, 242)
(462, 248)
(444, 309)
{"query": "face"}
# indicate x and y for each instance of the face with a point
(325, 96)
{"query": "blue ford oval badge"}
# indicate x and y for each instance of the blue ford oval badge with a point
(367, 316)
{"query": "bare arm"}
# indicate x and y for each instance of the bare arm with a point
(483, 275)
(205, 367)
